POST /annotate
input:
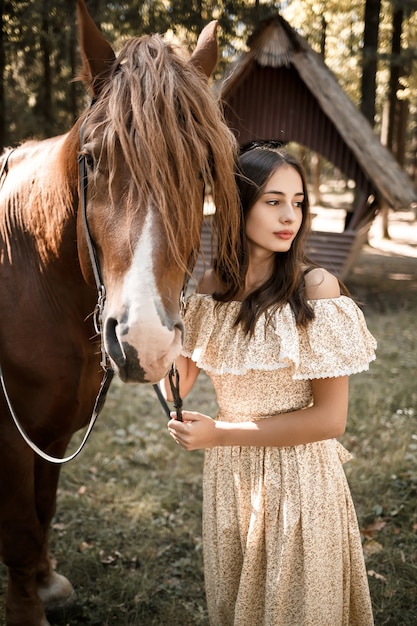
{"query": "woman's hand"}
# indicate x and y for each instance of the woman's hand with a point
(195, 432)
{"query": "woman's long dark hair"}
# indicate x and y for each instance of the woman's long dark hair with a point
(286, 283)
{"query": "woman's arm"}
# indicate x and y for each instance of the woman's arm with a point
(325, 419)
(188, 372)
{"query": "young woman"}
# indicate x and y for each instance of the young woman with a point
(281, 540)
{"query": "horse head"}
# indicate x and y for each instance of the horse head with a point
(153, 141)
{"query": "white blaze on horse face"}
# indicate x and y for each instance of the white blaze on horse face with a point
(147, 339)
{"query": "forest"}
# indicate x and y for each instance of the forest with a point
(369, 45)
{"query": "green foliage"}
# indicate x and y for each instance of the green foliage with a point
(343, 23)
(40, 50)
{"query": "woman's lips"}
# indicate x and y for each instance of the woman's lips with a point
(284, 234)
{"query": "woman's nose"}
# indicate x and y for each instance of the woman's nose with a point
(287, 214)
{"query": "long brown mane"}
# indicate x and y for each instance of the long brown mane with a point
(161, 113)
(39, 199)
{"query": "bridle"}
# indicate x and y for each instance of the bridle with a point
(173, 375)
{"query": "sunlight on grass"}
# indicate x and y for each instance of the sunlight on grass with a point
(382, 433)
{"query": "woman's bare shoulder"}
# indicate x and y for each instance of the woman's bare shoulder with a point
(321, 284)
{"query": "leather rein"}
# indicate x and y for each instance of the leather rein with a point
(173, 375)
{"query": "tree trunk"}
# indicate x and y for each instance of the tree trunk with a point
(413, 168)
(401, 133)
(392, 104)
(369, 59)
(44, 108)
(2, 79)
(74, 66)
(315, 164)
(395, 73)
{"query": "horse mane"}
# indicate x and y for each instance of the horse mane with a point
(160, 111)
(40, 199)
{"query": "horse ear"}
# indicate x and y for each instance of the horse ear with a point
(96, 53)
(205, 54)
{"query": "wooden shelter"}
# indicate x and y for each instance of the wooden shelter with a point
(281, 90)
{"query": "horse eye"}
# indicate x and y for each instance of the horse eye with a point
(89, 159)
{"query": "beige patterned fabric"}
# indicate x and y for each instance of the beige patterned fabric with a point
(281, 540)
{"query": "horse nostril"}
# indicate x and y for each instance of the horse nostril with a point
(112, 343)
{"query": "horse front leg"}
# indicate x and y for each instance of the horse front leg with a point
(23, 606)
(28, 488)
(55, 590)
(21, 534)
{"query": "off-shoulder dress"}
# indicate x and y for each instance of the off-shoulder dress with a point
(280, 534)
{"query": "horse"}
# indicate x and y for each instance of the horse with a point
(117, 200)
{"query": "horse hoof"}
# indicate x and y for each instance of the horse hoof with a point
(57, 593)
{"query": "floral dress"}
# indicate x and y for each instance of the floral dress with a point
(281, 540)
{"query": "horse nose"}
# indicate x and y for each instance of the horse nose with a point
(123, 356)
(142, 354)
(113, 345)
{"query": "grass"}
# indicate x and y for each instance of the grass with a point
(382, 433)
(132, 511)
(128, 526)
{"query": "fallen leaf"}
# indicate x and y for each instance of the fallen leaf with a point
(372, 547)
(110, 558)
(374, 574)
(373, 529)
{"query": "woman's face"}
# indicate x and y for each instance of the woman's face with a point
(275, 218)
